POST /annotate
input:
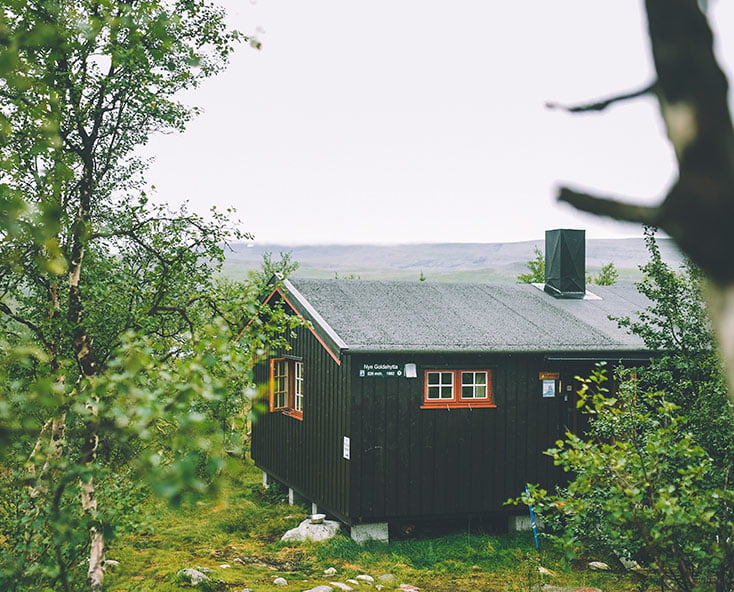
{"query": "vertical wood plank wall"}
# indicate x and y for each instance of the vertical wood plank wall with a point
(307, 455)
(409, 462)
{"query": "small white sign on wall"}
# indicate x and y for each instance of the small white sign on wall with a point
(549, 388)
(346, 447)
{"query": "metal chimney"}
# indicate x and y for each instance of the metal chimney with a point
(565, 263)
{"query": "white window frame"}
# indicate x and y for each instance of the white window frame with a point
(287, 386)
(451, 381)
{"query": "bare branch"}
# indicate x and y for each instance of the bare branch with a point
(35, 329)
(603, 104)
(610, 207)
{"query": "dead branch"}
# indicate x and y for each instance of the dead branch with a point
(698, 210)
(604, 103)
(692, 93)
(607, 206)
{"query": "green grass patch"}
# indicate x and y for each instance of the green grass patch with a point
(242, 527)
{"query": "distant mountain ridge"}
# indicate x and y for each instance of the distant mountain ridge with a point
(499, 262)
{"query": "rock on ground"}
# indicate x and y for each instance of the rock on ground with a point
(549, 588)
(194, 575)
(307, 531)
(598, 566)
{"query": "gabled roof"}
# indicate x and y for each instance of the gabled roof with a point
(400, 316)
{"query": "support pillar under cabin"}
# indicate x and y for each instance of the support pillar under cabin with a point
(375, 531)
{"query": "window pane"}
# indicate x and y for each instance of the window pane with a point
(440, 385)
(474, 385)
(298, 403)
(280, 384)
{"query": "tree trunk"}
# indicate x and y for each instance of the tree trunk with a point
(721, 309)
(95, 573)
(87, 368)
(698, 210)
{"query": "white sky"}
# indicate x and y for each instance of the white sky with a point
(399, 121)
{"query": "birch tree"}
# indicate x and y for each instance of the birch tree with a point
(697, 211)
(108, 309)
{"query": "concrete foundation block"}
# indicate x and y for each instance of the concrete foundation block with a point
(522, 523)
(376, 531)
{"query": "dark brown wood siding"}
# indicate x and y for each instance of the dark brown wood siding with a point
(409, 462)
(307, 454)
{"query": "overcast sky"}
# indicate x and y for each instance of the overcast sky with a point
(403, 121)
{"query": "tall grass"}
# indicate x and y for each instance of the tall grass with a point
(242, 528)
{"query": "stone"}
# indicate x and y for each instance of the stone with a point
(353, 582)
(598, 566)
(306, 531)
(364, 578)
(387, 580)
(280, 582)
(194, 576)
(225, 566)
(549, 588)
(544, 571)
(321, 588)
(341, 586)
(317, 518)
(330, 571)
(630, 564)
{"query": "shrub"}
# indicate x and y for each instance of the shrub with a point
(646, 491)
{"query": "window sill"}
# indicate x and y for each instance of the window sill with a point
(292, 413)
(457, 404)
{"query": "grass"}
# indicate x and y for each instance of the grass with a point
(242, 528)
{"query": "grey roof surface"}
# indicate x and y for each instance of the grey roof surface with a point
(443, 317)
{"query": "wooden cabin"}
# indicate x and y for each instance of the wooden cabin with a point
(404, 401)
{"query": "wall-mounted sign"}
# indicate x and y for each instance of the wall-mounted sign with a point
(549, 388)
(346, 447)
(549, 376)
(381, 370)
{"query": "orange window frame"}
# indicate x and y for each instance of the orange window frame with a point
(457, 401)
(286, 387)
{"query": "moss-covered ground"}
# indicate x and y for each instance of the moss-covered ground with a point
(241, 528)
